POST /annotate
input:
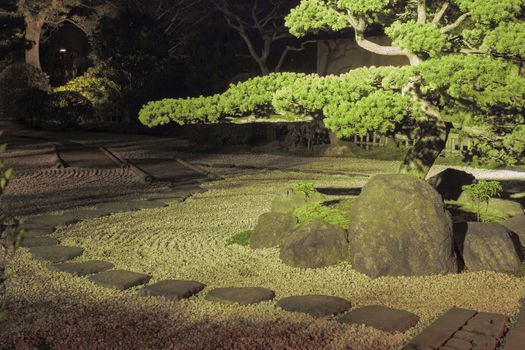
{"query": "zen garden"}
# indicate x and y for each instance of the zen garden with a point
(262, 174)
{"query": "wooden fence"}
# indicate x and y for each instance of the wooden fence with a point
(455, 143)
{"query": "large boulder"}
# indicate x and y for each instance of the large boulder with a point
(449, 183)
(398, 226)
(289, 200)
(488, 246)
(517, 225)
(271, 229)
(315, 244)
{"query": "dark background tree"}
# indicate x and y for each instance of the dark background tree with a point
(260, 24)
(12, 27)
(40, 13)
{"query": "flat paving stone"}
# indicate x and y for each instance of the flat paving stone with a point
(173, 289)
(241, 295)
(441, 330)
(38, 241)
(55, 253)
(117, 207)
(119, 279)
(315, 305)
(38, 232)
(381, 317)
(49, 221)
(83, 268)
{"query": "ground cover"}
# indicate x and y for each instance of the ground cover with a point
(189, 240)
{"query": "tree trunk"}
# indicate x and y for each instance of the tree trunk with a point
(33, 33)
(431, 141)
(263, 67)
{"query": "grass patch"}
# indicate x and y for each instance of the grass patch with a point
(241, 238)
(317, 211)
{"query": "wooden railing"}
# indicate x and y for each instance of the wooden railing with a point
(455, 143)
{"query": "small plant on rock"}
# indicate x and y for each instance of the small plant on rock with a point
(305, 188)
(482, 191)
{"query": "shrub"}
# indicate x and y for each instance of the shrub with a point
(482, 191)
(98, 86)
(18, 82)
(305, 188)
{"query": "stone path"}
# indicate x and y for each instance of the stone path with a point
(315, 305)
(381, 317)
(462, 329)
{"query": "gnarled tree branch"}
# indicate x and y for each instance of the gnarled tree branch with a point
(440, 13)
(455, 24)
(291, 48)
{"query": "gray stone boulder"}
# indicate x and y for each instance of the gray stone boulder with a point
(315, 244)
(489, 246)
(449, 183)
(399, 226)
(289, 200)
(271, 229)
(517, 225)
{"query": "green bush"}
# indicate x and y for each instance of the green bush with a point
(305, 188)
(98, 85)
(482, 191)
(20, 83)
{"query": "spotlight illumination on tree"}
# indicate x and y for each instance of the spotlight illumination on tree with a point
(465, 72)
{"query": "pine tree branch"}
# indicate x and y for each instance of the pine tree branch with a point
(440, 13)
(455, 24)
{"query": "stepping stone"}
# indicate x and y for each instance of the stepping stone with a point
(83, 214)
(315, 305)
(38, 232)
(441, 330)
(241, 295)
(56, 253)
(381, 317)
(83, 268)
(120, 279)
(118, 207)
(38, 241)
(49, 221)
(172, 289)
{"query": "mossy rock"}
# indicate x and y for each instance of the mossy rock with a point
(399, 226)
(315, 244)
(288, 201)
(271, 229)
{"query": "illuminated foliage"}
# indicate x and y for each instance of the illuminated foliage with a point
(465, 73)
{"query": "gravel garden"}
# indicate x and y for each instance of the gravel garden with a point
(206, 238)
